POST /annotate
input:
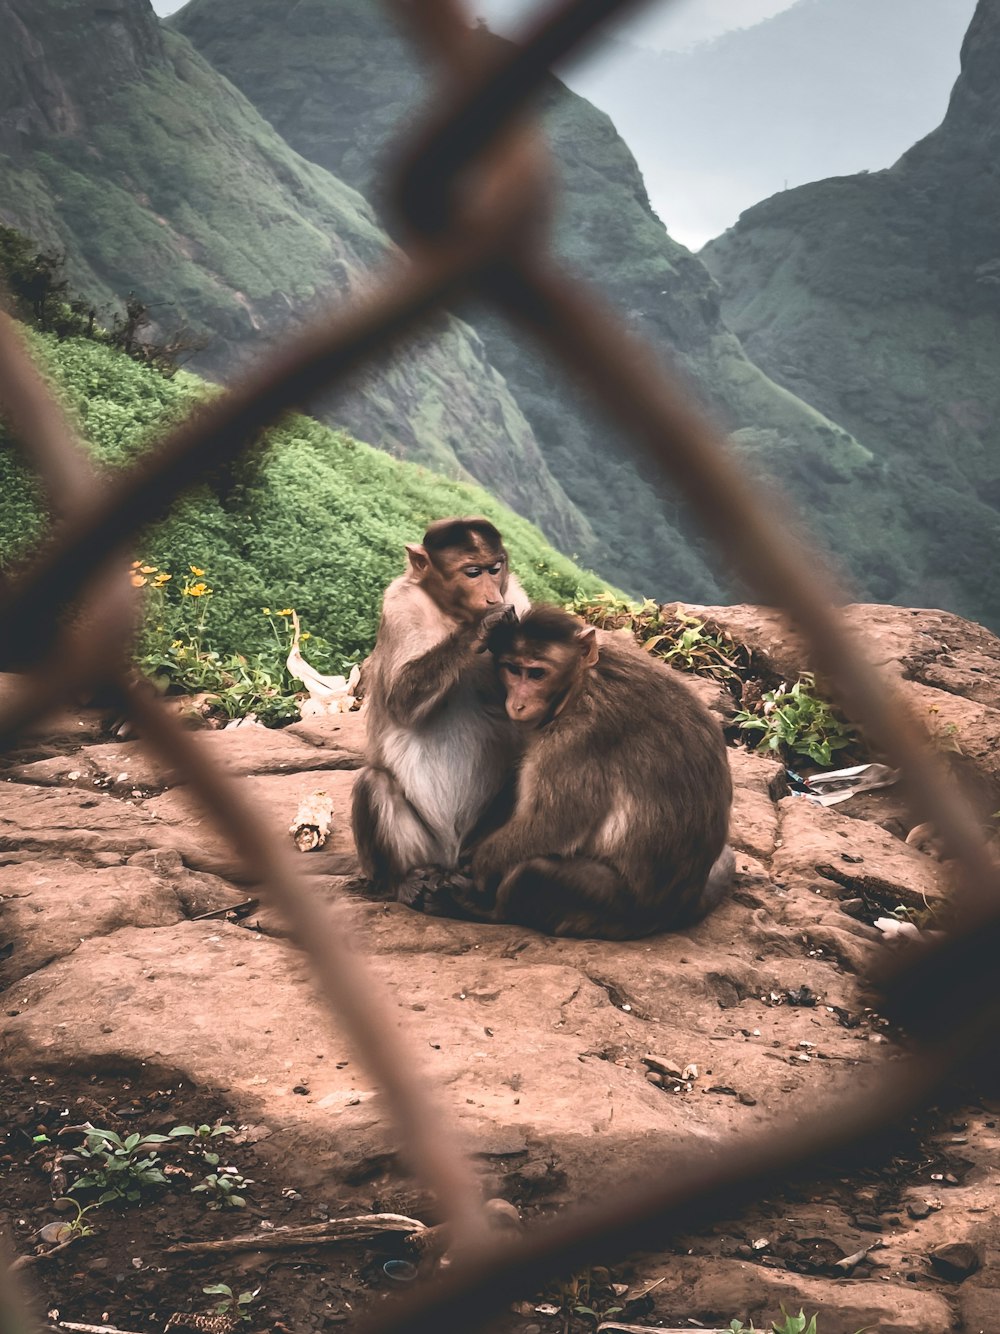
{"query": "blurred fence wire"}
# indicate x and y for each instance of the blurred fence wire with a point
(472, 191)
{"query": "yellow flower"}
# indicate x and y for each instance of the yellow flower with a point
(287, 611)
(176, 643)
(137, 580)
(135, 564)
(306, 635)
(194, 570)
(148, 569)
(265, 611)
(198, 590)
(161, 579)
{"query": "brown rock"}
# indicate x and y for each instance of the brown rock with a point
(814, 840)
(955, 1260)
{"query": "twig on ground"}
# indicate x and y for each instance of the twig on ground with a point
(359, 1227)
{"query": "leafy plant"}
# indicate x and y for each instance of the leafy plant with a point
(790, 1324)
(794, 1324)
(121, 1169)
(794, 720)
(76, 1227)
(173, 652)
(677, 638)
(587, 1293)
(224, 1185)
(200, 1133)
(230, 1303)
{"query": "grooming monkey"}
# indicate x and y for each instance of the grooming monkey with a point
(440, 744)
(622, 808)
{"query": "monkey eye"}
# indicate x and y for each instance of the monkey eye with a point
(495, 569)
(512, 667)
(535, 673)
(472, 572)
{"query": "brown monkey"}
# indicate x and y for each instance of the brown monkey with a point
(624, 791)
(440, 745)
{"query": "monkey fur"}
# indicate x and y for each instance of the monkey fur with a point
(624, 790)
(440, 745)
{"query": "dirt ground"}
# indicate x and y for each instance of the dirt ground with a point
(128, 1008)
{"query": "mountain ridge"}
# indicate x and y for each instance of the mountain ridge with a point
(120, 145)
(878, 297)
(337, 81)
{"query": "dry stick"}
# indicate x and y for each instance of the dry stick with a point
(26, 1261)
(89, 1329)
(360, 1227)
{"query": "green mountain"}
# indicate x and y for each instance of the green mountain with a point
(877, 297)
(338, 82)
(312, 520)
(122, 146)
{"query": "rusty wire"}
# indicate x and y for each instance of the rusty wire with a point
(471, 186)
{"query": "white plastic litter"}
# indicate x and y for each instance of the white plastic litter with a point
(327, 694)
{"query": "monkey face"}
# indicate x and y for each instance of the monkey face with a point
(466, 581)
(542, 661)
(537, 685)
(478, 583)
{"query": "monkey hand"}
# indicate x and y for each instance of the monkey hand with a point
(501, 615)
(439, 892)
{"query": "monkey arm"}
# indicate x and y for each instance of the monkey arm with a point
(419, 686)
(545, 823)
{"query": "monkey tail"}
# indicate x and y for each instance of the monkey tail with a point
(717, 886)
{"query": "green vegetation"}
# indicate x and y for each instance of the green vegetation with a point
(230, 1303)
(121, 1169)
(313, 520)
(222, 1186)
(794, 720)
(131, 1169)
(679, 639)
(789, 1324)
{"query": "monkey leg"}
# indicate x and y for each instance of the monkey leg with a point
(572, 896)
(390, 837)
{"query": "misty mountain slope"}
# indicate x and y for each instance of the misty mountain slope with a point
(824, 88)
(335, 79)
(878, 296)
(121, 145)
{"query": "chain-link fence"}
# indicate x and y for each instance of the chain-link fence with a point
(472, 193)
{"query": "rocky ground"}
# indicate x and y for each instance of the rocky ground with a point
(569, 1065)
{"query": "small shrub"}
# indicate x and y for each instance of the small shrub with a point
(223, 1186)
(793, 721)
(230, 1303)
(121, 1169)
(679, 639)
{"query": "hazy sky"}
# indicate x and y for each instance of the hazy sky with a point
(665, 27)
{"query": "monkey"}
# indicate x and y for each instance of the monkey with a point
(623, 794)
(440, 744)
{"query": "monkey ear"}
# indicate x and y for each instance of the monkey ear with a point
(419, 560)
(587, 639)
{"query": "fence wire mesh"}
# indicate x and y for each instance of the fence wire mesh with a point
(473, 193)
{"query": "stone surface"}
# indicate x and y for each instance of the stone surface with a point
(947, 668)
(537, 1045)
(844, 858)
